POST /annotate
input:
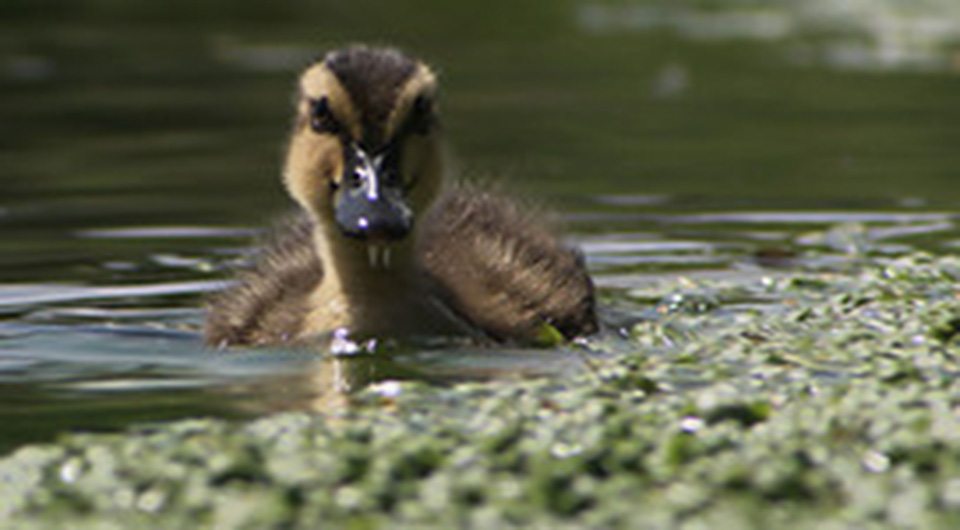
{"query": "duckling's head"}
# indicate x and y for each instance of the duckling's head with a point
(365, 157)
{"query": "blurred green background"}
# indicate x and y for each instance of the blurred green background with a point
(116, 112)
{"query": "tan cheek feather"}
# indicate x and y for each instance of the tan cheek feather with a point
(423, 164)
(312, 163)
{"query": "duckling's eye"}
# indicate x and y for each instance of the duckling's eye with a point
(322, 119)
(421, 115)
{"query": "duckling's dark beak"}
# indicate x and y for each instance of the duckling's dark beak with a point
(370, 204)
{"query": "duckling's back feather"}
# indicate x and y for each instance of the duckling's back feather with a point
(503, 269)
(269, 303)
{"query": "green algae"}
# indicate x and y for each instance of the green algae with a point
(833, 404)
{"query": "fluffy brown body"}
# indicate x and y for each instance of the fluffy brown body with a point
(474, 263)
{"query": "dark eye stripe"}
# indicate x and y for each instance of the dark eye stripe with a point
(322, 119)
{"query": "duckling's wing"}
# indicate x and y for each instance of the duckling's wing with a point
(501, 267)
(269, 303)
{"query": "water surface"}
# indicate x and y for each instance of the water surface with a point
(140, 149)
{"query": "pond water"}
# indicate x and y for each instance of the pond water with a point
(140, 148)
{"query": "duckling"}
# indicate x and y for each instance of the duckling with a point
(382, 246)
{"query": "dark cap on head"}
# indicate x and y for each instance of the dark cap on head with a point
(372, 77)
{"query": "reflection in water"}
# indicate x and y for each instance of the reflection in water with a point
(85, 370)
(327, 385)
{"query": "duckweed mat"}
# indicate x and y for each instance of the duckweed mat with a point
(820, 400)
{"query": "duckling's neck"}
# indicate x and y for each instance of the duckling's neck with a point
(371, 289)
(364, 271)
